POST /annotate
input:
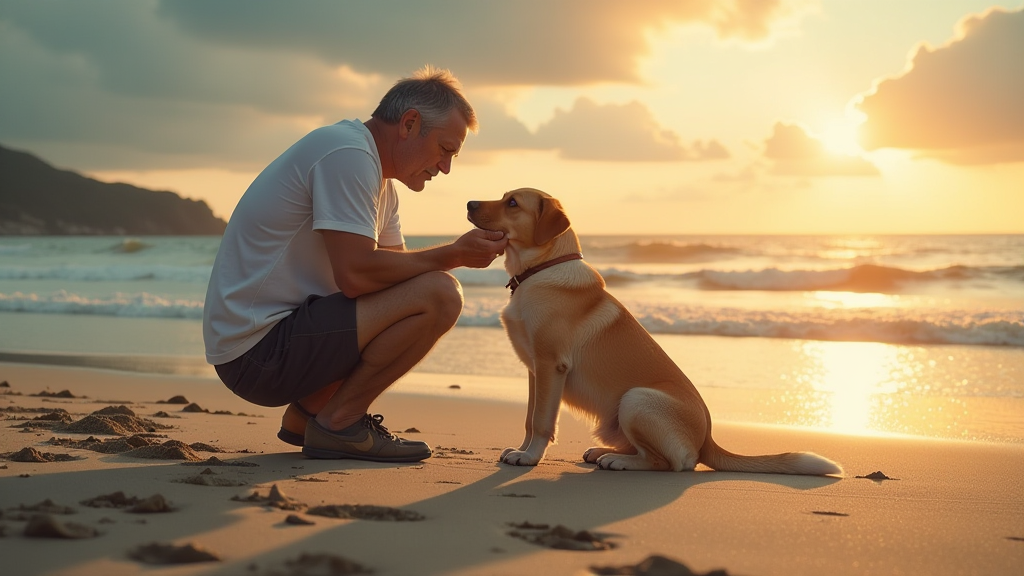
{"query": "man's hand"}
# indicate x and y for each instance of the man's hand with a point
(478, 248)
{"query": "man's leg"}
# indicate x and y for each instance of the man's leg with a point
(397, 327)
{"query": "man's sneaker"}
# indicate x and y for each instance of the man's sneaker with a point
(367, 439)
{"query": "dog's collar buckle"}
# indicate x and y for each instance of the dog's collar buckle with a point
(518, 279)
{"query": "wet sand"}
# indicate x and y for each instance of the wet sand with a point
(905, 505)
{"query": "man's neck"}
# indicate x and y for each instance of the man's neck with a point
(385, 146)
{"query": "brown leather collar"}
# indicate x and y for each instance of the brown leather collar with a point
(518, 279)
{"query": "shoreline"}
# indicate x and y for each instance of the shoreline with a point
(952, 508)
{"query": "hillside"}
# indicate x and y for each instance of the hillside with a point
(38, 199)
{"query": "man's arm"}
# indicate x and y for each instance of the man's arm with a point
(361, 267)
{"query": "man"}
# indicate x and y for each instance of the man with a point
(314, 302)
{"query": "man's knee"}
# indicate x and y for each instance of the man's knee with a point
(444, 293)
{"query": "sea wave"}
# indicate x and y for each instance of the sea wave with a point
(900, 326)
(141, 305)
(863, 278)
(655, 251)
(112, 273)
(890, 325)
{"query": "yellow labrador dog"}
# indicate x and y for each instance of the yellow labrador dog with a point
(583, 347)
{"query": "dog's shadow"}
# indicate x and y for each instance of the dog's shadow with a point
(470, 525)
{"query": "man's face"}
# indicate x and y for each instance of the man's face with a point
(420, 158)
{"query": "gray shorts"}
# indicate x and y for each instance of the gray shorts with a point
(314, 346)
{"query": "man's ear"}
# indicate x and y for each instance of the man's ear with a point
(410, 124)
(551, 221)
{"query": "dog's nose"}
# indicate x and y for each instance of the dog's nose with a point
(472, 205)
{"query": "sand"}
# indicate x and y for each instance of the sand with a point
(904, 506)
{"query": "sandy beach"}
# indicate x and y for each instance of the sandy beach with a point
(950, 507)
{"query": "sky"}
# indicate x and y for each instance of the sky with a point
(655, 117)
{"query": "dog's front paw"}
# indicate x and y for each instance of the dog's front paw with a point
(591, 455)
(518, 457)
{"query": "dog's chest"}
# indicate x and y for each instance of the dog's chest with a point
(515, 326)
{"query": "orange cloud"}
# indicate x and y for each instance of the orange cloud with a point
(494, 43)
(796, 153)
(961, 102)
(591, 131)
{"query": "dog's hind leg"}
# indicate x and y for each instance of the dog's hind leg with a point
(666, 432)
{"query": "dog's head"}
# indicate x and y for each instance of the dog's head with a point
(532, 220)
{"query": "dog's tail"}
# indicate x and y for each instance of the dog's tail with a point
(718, 458)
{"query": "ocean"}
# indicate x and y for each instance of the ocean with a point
(799, 325)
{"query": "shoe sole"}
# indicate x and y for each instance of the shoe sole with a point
(294, 438)
(325, 454)
(290, 437)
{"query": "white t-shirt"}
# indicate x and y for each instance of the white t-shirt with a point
(271, 257)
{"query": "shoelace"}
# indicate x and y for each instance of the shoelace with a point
(376, 422)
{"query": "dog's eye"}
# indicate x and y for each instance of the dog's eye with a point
(512, 203)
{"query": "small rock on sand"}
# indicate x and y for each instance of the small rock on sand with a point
(193, 407)
(156, 553)
(5, 384)
(653, 566)
(46, 526)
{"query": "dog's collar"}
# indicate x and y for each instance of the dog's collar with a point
(518, 279)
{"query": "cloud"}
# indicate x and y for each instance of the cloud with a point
(591, 131)
(485, 43)
(960, 102)
(123, 84)
(795, 153)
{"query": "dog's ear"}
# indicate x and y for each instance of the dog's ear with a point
(551, 221)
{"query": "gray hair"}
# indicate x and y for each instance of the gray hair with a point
(433, 92)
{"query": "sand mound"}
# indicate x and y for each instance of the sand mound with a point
(365, 512)
(113, 424)
(157, 553)
(174, 400)
(559, 537)
(275, 497)
(111, 410)
(46, 526)
(47, 507)
(653, 566)
(214, 461)
(30, 454)
(318, 564)
(108, 446)
(210, 478)
(61, 394)
(155, 504)
(169, 450)
(113, 500)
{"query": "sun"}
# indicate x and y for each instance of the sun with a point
(840, 135)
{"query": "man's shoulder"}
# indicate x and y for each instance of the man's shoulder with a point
(346, 135)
